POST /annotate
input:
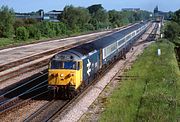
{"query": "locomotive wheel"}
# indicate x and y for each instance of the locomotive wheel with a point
(54, 93)
(71, 92)
(51, 94)
(83, 85)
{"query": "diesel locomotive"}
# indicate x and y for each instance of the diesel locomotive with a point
(70, 69)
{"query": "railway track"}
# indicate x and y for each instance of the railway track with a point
(42, 115)
(23, 93)
(153, 35)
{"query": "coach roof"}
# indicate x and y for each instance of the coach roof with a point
(85, 49)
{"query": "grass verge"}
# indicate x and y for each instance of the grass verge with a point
(154, 95)
(10, 42)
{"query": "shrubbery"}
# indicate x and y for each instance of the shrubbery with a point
(172, 28)
(172, 31)
(22, 33)
(34, 32)
(6, 22)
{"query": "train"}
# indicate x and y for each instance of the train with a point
(71, 69)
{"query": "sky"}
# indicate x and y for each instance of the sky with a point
(47, 5)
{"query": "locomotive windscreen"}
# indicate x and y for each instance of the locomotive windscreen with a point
(56, 64)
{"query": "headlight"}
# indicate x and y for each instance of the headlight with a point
(62, 75)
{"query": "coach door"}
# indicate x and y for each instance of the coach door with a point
(101, 58)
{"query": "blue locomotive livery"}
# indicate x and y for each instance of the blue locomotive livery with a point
(70, 69)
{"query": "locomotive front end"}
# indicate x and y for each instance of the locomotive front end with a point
(65, 73)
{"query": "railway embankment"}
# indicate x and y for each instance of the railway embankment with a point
(177, 50)
(149, 91)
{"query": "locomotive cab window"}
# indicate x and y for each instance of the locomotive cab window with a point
(55, 64)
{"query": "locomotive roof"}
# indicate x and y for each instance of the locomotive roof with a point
(85, 49)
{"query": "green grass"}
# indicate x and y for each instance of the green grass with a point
(154, 95)
(7, 42)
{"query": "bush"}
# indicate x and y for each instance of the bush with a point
(34, 32)
(7, 19)
(60, 28)
(18, 23)
(172, 31)
(101, 25)
(47, 29)
(22, 33)
(44, 28)
(63, 28)
(88, 27)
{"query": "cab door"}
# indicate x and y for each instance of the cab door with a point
(79, 74)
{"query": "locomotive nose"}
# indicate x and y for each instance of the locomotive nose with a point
(61, 77)
(56, 74)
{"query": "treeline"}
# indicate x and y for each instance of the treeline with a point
(172, 29)
(72, 20)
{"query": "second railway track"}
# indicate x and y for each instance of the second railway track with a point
(24, 93)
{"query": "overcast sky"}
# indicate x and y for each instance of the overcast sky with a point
(47, 5)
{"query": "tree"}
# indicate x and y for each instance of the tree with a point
(115, 18)
(75, 17)
(63, 28)
(46, 29)
(99, 16)
(88, 27)
(18, 23)
(7, 19)
(30, 21)
(34, 32)
(22, 33)
(129, 15)
(60, 28)
(172, 31)
(176, 17)
(94, 8)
